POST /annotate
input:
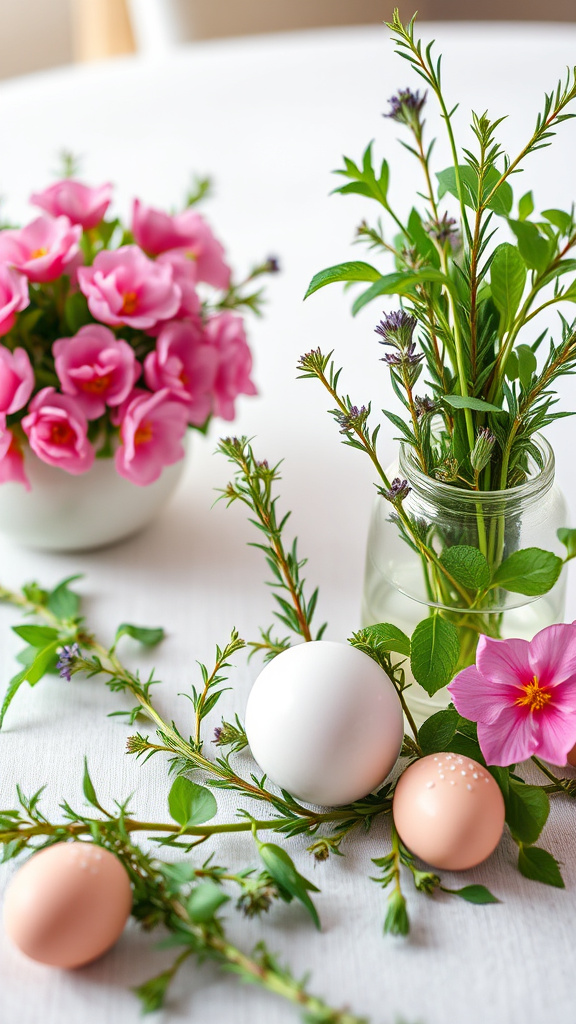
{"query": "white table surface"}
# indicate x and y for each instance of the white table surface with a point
(269, 118)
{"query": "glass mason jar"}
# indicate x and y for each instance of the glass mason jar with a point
(400, 586)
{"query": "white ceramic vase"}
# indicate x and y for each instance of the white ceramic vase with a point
(63, 512)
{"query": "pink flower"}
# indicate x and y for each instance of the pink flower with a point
(151, 432)
(522, 695)
(226, 333)
(43, 250)
(13, 296)
(185, 365)
(11, 459)
(16, 380)
(184, 275)
(123, 286)
(81, 204)
(95, 367)
(157, 232)
(56, 429)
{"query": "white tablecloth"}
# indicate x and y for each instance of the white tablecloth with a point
(269, 118)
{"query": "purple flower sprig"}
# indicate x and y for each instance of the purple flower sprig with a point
(68, 660)
(406, 107)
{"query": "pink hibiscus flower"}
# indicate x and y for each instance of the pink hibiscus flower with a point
(44, 249)
(226, 332)
(123, 286)
(96, 367)
(157, 232)
(185, 364)
(151, 432)
(11, 459)
(522, 695)
(57, 429)
(80, 203)
(16, 380)
(13, 296)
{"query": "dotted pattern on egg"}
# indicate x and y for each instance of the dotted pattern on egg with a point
(455, 770)
(86, 857)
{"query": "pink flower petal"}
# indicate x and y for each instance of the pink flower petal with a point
(556, 734)
(510, 739)
(552, 654)
(478, 698)
(504, 661)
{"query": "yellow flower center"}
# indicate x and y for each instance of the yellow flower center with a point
(143, 434)
(130, 303)
(534, 697)
(38, 253)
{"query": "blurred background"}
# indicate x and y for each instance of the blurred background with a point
(36, 34)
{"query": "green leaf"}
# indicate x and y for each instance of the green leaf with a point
(88, 788)
(539, 865)
(525, 206)
(144, 634)
(291, 884)
(467, 402)
(507, 281)
(153, 992)
(437, 732)
(501, 202)
(13, 687)
(535, 250)
(189, 803)
(76, 312)
(400, 284)
(473, 894)
(435, 648)
(396, 921)
(527, 810)
(559, 219)
(567, 537)
(467, 565)
(43, 663)
(63, 602)
(530, 571)
(388, 637)
(527, 364)
(36, 636)
(356, 271)
(204, 901)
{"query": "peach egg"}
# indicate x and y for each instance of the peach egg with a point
(572, 757)
(449, 811)
(68, 904)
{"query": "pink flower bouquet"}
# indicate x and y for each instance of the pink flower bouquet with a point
(115, 340)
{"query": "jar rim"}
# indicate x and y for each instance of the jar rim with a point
(537, 483)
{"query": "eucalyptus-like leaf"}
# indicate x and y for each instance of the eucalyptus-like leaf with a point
(478, 894)
(292, 884)
(149, 636)
(469, 402)
(204, 900)
(507, 282)
(189, 803)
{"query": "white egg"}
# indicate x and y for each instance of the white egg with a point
(324, 721)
